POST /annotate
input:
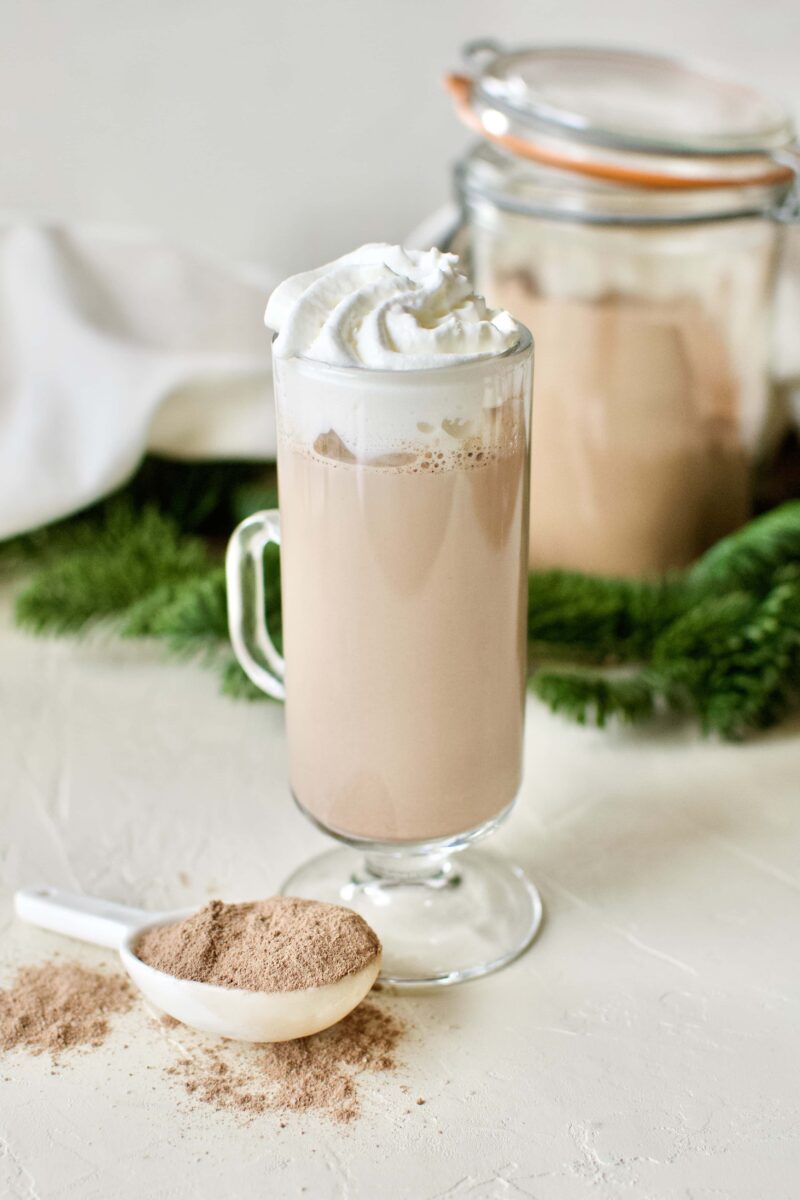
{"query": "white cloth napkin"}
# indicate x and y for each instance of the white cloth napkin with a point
(112, 344)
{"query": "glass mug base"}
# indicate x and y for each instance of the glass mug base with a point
(444, 914)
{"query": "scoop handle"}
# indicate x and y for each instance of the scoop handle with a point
(100, 922)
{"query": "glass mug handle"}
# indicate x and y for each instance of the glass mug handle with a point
(247, 620)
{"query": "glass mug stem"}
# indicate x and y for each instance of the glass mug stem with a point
(431, 867)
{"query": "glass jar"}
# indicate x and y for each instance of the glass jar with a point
(628, 209)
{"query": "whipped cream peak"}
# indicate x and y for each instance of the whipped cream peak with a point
(385, 307)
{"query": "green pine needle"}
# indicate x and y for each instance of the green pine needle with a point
(188, 615)
(193, 612)
(736, 658)
(748, 559)
(144, 617)
(600, 619)
(593, 698)
(127, 555)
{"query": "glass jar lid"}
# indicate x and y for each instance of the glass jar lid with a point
(623, 116)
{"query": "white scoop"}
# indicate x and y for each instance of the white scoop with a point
(230, 1012)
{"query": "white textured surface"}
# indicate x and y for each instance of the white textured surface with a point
(646, 1047)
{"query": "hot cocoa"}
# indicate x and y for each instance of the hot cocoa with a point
(404, 595)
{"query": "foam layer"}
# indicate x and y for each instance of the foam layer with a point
(497, 440)
(385, 413)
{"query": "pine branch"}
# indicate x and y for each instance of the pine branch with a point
(188, 614)
(116, 563)
(192, 613)
(601, 619)
(748, 559)
(736, 658)
(590, 697)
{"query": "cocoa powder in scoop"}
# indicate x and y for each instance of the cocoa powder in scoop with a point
(275, 945)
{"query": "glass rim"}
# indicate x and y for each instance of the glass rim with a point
(521, 347)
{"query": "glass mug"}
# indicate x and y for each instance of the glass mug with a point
(403, 531)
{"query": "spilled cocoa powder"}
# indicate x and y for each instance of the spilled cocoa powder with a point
(275, 945)
(55, 1007)
(318, 1074)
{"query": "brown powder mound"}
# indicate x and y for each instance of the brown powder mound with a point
(315, 1074)
(275, 945)
(58, 1006)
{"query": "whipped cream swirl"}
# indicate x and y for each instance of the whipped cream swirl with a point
(388, 308)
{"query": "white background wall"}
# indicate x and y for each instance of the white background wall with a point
(288, 132)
